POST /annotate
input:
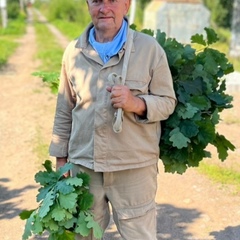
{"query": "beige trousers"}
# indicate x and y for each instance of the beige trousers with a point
(131, 194)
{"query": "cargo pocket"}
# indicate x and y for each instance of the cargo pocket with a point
(137, 223)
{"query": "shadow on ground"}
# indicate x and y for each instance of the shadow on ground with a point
(9, 210)
(172, 223)
(231, 233)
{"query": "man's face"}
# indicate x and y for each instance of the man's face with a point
(107, 15)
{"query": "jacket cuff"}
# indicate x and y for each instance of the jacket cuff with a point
(58, 148)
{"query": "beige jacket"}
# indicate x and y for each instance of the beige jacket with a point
(84, 115)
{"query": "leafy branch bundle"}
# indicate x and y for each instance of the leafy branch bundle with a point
(50, 78)
(64, 206)
(199, 83)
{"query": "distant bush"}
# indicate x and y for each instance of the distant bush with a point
(221, 12)
(71, 10)
(61, 9)
(13, 10)
(14, 27)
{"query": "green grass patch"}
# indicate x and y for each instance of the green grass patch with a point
(14, 28)
(49, 51)
(70, 29)
(8, 36)
(221, 175)
(6, 49)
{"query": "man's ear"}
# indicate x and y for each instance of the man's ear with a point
(127, 4)
(87, 4)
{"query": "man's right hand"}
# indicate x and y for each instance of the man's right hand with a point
(60, 162)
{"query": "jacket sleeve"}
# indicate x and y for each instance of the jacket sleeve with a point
(161, 99)
(63, 115)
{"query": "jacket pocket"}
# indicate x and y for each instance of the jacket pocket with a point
(137, 87)
(136, 211)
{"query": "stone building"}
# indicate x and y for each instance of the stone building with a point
(179, 19)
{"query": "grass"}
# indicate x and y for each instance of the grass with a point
(70, 29)
(8, 36)
(6, 50)
(226, 173)
(14, 28)
(49, 50)
(221, 175)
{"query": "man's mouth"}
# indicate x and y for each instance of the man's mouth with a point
(105, 17)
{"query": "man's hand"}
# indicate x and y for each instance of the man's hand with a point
(121, 97)
(60, 162)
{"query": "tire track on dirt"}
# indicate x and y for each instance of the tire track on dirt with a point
(26, 108)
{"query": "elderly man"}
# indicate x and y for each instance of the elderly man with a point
(115, 88)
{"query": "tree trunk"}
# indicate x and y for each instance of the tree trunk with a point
(3, 12)
(21, 3)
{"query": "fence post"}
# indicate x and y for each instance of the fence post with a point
(3, 7)
(235, 39)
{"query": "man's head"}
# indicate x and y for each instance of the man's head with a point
(107, 16)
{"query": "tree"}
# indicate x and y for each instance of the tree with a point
(221, 12)
(13, 9)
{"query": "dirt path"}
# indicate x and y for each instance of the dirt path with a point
(26, 109)
(189, 206)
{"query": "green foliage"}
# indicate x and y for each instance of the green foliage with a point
(143, 3)
(61, 9)
(50, 78)
(15, 27)
(199, 84)
(13, 10)
(6, 49)
(8, 35)
(70, 29)
(64, 205)
(71, 11)
(49, 51)
(220, 174)
(38, 3)
(221, 12)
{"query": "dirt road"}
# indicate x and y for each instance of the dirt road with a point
(189, 206)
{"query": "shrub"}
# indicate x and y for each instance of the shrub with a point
(13, 9)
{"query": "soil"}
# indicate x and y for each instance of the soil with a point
(189, 206)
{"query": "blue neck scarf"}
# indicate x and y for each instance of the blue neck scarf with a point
(109, 49)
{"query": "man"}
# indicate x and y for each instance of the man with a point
(122, 164)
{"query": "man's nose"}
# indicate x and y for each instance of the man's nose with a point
(105, 5)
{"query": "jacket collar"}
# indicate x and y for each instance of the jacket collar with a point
(82, 41)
